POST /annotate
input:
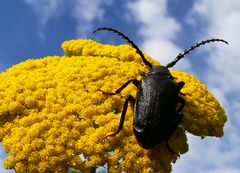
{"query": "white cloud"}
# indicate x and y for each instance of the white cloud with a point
(220, 19)
(45, 10)
(224, 61)
(225, 170)
(210, 155)
(158, 29)
(86, 12)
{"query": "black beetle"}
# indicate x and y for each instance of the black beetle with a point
(158, 106)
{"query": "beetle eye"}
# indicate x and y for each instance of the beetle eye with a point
(143, 73)
(169, 76)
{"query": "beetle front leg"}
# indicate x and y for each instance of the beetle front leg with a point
(134, 81)
(125, 106)
(180, 85)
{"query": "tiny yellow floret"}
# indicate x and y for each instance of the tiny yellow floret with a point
(53, 115)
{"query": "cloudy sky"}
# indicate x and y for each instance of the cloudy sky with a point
(36, 28)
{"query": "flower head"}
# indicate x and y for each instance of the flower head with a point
(53, 115)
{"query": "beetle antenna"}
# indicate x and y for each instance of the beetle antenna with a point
(146, 62)
(185, 52)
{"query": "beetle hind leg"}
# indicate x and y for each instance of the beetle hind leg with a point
(125, 106)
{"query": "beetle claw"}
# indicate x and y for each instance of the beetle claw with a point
(107, 93)
(183, 94)
(112, 134)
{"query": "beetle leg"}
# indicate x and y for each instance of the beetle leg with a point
(134, 81)
(179, 115)
(182, 102)
(181, 84)
(176, 123)
(174, 126)
(125, 106)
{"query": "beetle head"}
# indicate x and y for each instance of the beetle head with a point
(161, 71)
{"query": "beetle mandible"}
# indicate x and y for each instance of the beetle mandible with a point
(158, 106)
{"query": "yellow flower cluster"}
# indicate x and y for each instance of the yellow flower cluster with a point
(53, 116)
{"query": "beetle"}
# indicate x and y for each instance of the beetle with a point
(158, 105)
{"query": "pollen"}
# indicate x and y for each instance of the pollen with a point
(53, 115)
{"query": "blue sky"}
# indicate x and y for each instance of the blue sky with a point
(36, 28)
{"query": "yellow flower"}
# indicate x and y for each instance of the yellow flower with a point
(53, 116)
